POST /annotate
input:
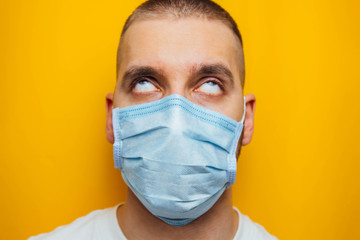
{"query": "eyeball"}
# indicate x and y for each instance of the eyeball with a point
(210, 88)
(144, 86)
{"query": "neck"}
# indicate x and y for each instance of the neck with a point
(136, 222)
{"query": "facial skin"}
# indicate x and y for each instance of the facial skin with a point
(202, 61)
(196, 58)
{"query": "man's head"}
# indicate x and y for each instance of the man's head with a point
(190, 48)
(186, 47)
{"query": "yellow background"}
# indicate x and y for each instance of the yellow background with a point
(299, 177)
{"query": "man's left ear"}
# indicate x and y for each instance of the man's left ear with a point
(249, 119)
(109, 126)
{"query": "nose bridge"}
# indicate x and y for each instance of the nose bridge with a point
(178, 81)
(177, 87)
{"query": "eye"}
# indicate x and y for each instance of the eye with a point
(144, 86)
(210, 88)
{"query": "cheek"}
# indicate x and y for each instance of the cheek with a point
(233, 107)
(120, 99)
(233, 111)
(124, 99)
(230, 106)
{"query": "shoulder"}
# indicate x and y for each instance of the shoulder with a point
(94, 225)
(249, 230)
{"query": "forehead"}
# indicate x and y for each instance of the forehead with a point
(177, 44)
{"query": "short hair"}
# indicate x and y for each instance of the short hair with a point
(179, 9)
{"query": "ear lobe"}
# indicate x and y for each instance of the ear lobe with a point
(249, 119)
(109, 126)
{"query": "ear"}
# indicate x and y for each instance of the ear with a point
(109, 126)
(249, 119)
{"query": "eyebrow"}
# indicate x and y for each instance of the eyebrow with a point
(214, 69)
(140, 71)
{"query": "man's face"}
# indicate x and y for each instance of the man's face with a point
(198, 59)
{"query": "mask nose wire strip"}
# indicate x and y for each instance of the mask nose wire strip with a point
(231, 173)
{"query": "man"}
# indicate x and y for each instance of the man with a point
(177, 119)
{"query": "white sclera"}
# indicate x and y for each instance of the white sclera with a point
(145, 86)
(210, 88)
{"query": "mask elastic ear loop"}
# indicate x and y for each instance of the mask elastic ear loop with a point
(231, 172)
(243, 116)
(117, 146)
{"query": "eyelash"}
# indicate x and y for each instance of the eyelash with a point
(137, 80)
(218, 82)
(205, 80)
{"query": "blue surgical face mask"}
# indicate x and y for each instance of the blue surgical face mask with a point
(176, 157)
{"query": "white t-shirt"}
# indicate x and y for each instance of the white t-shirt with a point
(103, 225)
